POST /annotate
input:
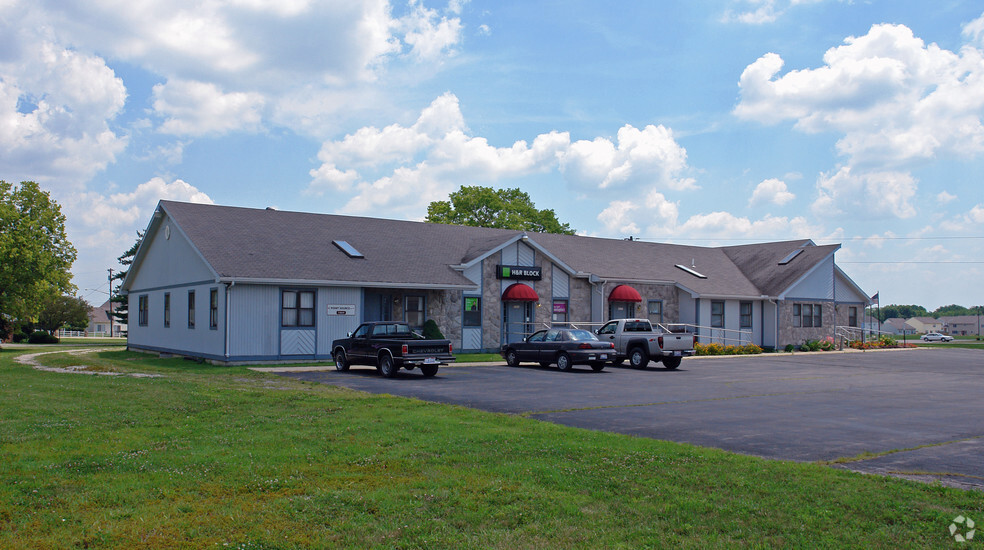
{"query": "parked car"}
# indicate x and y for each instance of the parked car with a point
(565, 347)
(389, 347)
(936, 337)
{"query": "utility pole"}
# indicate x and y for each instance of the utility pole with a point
(110, 301)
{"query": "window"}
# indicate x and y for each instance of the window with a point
(717, 314)
(297, 309)
(142, 310)
(852, 316)
(559, 311)
(472, 316)
(213, 308)
(167, 309)
(745, 315)
(191, 309)
(656, 311)
(608, 328)
(361, 332)
(413, 311)
(807, 315)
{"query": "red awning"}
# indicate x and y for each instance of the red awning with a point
(624, 293)
(518, 292)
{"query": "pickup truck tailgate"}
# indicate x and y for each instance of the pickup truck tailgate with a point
(676, 341)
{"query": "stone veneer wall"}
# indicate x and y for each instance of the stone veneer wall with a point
(491, 305)
(579, 301)
(445, 308)
(788, 334)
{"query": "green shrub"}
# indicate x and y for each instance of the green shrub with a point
(790, 348)
(18, 336)
(431, 332)
(42, 337)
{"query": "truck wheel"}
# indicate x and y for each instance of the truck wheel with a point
(564, 362)
(428, 370)
(387, 366)
(597, 367)
(341, 362)
(638, 358)
(671, 363)
(512, 359)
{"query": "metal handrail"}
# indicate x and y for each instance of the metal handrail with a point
(744, 336)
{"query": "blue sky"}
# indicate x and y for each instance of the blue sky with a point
(705, 122)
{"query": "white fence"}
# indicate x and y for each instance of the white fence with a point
(63, 333)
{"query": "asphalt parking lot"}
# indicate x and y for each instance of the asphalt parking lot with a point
(919, 411)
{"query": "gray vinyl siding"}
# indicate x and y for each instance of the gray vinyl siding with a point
(561, 283)
(254, 321)
(171, 265)
(818, 285)
(178, 338)
(169, 261)
(336, 326)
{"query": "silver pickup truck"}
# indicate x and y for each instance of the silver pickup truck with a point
(637, 341)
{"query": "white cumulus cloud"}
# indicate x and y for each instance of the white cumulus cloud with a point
(403, 168)
(56, 110)
(199, 108)
(772, 191)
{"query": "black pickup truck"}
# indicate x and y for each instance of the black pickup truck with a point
(389, 347)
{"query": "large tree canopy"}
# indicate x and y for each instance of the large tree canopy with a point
(504, 208)
(36, 254)
(59, 311)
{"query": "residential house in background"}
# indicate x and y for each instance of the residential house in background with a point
(897, 327)
(102, 322)
(922, 325)
(962, 325)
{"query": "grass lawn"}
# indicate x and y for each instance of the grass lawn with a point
(208, 456)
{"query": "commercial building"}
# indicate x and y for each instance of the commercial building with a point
(249, 285)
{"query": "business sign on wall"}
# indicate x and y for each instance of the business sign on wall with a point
(534, 273)
(334, 309)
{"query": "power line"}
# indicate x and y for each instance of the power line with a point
(875, 238)
(919, 262)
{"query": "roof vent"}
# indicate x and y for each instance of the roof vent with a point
(791, 256)
(691, 271)
(348, 249)
(274, 208)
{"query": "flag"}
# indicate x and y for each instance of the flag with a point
(874, 299)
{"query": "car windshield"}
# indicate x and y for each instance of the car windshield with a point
(582, 335)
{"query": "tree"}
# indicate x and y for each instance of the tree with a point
(952, 310)
(504, 208)
(58, 311)
(35, 253)
(903, 312)
(118, 302)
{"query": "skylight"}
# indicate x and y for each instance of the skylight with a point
(791, 256)
(691, 271)
(348, 249)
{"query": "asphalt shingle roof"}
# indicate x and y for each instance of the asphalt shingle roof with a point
(248, 243)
